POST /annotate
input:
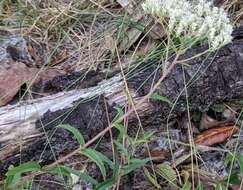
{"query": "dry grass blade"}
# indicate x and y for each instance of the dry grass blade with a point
(59, 58)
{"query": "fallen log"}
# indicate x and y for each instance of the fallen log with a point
(28, 131)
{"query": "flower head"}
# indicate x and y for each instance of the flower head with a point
(197, 18)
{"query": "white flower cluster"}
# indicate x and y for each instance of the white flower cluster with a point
(197, 18)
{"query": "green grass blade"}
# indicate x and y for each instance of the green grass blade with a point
(95, 157)
(134, 164)
(75, 132)
(151, 178)
(23, 168)
(106, 184)
(67, 171)
(156, 96)
(167, 172)
(14, 174)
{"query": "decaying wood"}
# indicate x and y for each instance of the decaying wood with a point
(19, 120)
(205, 80)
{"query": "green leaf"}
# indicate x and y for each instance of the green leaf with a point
(218, 107)
(196, 116)
(151, 178)
(134, 164)
(181, 159)
(106, 160)
(166, 172)
(220, 187)
(120, 128)
(14, 174)
(156, 96)
(118, 115)
(228, 159)
(59, 170)
(199, 186)
(67, 171)
(234, 178)
(95, 157)
(110, 182)
(23, 168)
(11, 180)
(143, 139)
(122, 149)
(106, 184)
(187, 185)
(28, 184)
(240, 159)
(75, 132)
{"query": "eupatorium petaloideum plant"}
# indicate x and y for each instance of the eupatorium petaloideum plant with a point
(195, 18)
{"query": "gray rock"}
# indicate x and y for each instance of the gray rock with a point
(14, 47)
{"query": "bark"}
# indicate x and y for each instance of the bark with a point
(203, 81)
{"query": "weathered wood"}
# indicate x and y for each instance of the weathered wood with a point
(207, 79)
(19, 119)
